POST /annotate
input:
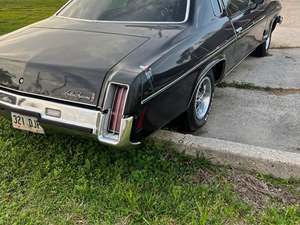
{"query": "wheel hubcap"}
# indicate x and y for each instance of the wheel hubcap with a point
(203, 98)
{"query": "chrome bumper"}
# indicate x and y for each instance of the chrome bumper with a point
(279, 19)
(73, 116)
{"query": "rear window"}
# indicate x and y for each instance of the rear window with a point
(128, 10)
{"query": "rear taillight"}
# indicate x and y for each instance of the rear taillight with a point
(117, 108)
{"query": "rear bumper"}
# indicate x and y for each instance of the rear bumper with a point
(86, 121)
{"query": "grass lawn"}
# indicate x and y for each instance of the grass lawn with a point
(18, 13)
(65, 180)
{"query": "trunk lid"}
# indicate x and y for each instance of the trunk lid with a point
(61, 63)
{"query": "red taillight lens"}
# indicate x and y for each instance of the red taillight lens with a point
(117, 110)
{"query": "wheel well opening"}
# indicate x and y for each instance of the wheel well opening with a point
(218, 71)
(274, 24)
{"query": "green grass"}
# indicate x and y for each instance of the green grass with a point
(18, 13)
(61, 179)
(64, 180)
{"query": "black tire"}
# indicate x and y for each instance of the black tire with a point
(191, 121)
(263, 49)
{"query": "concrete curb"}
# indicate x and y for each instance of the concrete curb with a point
(267, 161)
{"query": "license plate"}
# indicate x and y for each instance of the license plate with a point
(27, 123)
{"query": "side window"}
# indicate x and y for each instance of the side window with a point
(217, 7)
(235, 6)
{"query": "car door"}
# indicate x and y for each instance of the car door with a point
(217, 30)
(227, 32)
(248, 21)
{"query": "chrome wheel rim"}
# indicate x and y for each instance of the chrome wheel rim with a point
(268, 42)
(203, 98)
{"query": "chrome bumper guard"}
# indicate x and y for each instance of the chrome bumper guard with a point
(70, 116)
(280, 19)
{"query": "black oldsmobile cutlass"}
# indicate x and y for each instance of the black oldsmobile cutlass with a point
(120, 69)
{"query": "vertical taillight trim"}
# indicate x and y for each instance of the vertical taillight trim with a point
(126, 123)
(117, 108)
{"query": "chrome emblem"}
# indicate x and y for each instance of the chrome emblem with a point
(80, 95)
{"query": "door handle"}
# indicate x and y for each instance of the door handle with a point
(239, 30)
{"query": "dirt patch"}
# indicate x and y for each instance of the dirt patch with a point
(258, 192)
(125, 221)
(203, 176)
(251, 86)
(78, 220)
(252, 190)
(281, 92)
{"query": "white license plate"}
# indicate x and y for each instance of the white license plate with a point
(27, 123)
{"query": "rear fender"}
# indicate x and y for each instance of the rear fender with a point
(206, 69)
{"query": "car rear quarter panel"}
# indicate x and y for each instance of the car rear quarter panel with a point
(174, 74)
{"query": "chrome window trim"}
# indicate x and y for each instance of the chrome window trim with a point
(187, 13)
(220, 7)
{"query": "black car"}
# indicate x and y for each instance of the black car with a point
(118, 70)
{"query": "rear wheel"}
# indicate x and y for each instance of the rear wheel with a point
(263, 49)
(198, 111)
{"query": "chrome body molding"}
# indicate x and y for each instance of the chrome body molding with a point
(243, 32)
(71, 116)
(209, 57)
